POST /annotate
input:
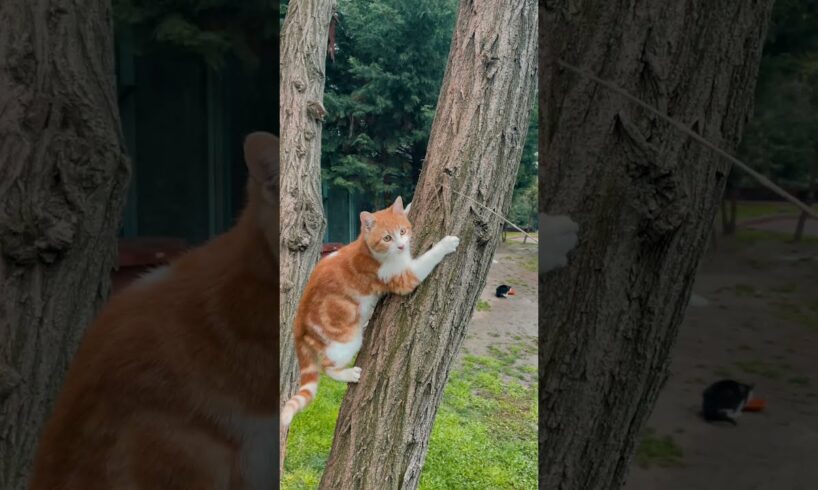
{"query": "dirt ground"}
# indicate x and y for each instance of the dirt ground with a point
(512, 320)
(754, 319)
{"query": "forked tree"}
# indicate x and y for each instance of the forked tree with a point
(303, 55)
(382, 435)
(63, 175)
(645, 196)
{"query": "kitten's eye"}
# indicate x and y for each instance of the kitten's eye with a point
(387, 238)
(403, 231)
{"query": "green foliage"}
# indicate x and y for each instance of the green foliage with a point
(210, 29)
(485, 432)
(381, 93)
(524, 201)
(781, 138)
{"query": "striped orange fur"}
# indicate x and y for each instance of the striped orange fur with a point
(175, 383)
(342, 293)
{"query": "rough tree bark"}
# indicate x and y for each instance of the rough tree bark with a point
(303, 55)
(645, 197)
(63, 175)
(383, 429)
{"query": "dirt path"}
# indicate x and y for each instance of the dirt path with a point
(783, 224)
(507, 321)
(760, 325)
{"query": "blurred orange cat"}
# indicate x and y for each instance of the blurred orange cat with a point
(175, 384)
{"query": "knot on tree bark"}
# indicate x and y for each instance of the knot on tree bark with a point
(316, 111)
(659, 198)
(44, 237)
(306, 230)
(482, 230)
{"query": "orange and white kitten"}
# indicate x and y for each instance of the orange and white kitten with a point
(174, 383)
(342, 293)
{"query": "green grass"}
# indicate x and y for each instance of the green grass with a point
(484, 436)
(751, 236)
(744, 290)
(802, 314)
(656, 450)
(761, 368)
(512, 235)
(483, 305)
(756, 209)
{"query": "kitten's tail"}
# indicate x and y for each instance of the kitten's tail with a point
(308, 388)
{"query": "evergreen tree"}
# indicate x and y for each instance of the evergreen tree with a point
(381, 93)
(781, 138)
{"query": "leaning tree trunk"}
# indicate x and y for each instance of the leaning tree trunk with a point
(383, 429)
(63, 175)
(645, 197)
(303, 55)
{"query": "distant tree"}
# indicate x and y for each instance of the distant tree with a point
(211, 29)
(780, 138)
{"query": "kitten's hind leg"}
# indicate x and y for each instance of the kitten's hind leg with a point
(347, 375)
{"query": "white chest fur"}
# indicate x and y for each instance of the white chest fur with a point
(394, 266)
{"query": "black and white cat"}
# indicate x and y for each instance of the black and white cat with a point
(724, 400)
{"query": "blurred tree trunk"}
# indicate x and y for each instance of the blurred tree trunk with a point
(63, 179)
(382, 435)
(303, 55)
(645, 197)
(802, 219)
(729, 209)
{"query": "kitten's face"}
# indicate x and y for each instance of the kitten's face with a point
(388, 233)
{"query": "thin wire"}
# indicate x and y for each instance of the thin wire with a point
(494, 213)
(681, 127)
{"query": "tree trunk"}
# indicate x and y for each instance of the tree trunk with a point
(645, 197)
(476, 143)
(303, 55)
(728, 212)
(63, 177)
(733, 210)
(802, 219)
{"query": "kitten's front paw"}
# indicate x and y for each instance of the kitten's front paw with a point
(449, 244)
(354, 374)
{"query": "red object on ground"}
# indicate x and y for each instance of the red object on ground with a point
(328, 248)
(511, 292)
(755, 405)
(138, 255)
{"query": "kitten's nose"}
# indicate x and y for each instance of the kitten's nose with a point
(400, 247)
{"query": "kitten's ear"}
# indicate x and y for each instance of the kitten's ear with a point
(367, 220)
(398, 206)
(407, 208)
(261, 156)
